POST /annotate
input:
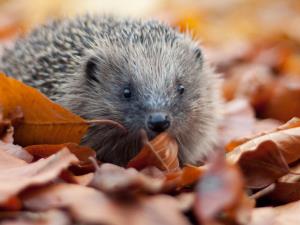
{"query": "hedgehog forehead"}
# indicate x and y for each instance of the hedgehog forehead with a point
(159, 62)
(151, 70)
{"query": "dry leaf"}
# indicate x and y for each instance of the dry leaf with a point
(187, 176)
(284, 193)
(16, 175)
(285, 102)
(238, 121)
(113, 179)
(160, 152)
(84, 180)
(54, 125)
(220, 191)
(265, 158)
(250, 81)
(51, 217)
(42, 151)
(86, 205)
(283, 215)
(190, 175)
(16, 150)
(263, 166)
(6, 124)
(285, 137)
(13, 203)
(239, 124)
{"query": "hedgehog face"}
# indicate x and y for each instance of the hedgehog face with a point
(155, 89)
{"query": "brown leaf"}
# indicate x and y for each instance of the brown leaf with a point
(42, 151)
(6, 124)
(286, 189)
(54, 125)
(284, 193)
(264, 158)
(9, 161)
(16, 175)
(12, 203)
(110, 178)
(189, 175)
(239, 123)
(84, 180)
(16, 150)
(285, 102)
(263, 127)
(283, 215)
(263, 166)
(86, 205)
(250, 81)
(220, 191)
(160, 152)
(51, 217)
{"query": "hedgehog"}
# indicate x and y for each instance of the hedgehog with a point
(144, 74)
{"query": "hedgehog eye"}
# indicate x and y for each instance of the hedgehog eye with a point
(127, 92)
(180, 89)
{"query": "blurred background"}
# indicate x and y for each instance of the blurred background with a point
(254, 44)
(215, 21)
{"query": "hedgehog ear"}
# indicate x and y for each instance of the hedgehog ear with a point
(198, 53)
(91, 68)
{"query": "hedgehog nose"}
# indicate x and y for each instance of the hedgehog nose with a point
(158, 122)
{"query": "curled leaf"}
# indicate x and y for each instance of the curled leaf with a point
(55, 125)
(87, 205)
(16, 174)
(160, 152)
(265, 158)
(42, 151)
(114, 179)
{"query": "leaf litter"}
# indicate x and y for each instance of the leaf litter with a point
(47, 177)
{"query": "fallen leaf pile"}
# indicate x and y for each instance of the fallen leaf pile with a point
(62, 179)
(47, 177)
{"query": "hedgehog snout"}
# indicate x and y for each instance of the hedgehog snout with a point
(158, 122)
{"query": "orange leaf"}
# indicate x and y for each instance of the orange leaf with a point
(44, 121)
(191, 174)
(160, 152)
(42, 151)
